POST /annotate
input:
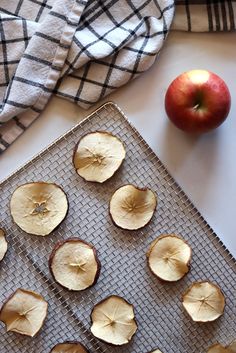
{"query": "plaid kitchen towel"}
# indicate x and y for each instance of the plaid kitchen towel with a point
(82, 50)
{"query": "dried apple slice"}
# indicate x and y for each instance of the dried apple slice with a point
(169, 257)
(204, 301)
(69, 347)
(74, 264)
(3, 244)
(232, 346)
(218, 348)
(132, 208)
(38, 208)
(156, 351)
(24, 312)
(113, 321)
(98, 155)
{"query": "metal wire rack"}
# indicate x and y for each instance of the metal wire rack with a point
(162, 322)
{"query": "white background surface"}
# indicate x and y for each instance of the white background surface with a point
(205, 166)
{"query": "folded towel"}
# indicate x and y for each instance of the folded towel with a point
(82, 50)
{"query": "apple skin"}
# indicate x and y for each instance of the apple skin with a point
(197, 101)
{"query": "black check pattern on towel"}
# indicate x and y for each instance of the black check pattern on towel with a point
(82, 50)
(205, 15)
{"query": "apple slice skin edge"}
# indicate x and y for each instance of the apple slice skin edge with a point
(2, 230)
(58, 245)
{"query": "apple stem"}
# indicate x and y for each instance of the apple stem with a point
(196, 106)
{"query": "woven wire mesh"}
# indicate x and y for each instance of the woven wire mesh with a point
(161, 320)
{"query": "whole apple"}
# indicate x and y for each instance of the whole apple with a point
(197, 101)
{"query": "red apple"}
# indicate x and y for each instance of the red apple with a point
(197, 101)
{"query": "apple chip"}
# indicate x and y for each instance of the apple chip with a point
(3, 244)
(169, 257)
(69, 347)
(132, 208)
(156, 351)
(204, 301)
(232, 346)
(74, 264)
(98, 156)
(113, 321)
(218, 348)
(38, 208)
(24, 312)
